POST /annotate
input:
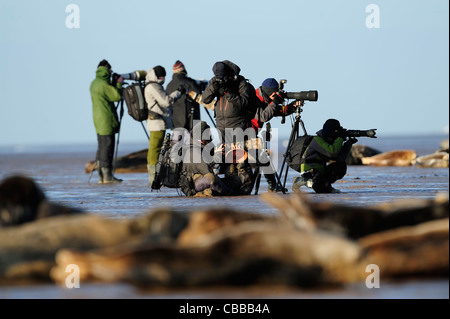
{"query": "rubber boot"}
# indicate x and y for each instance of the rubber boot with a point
(108, 177)
(272, 184)
(100, 173)
(151, 173)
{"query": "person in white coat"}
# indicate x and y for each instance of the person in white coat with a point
(159, 120)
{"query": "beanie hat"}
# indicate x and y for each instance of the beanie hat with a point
(159, 71)
(178, 67)
(269, 86)
(220, 70)
(331, 128)
(105, 64)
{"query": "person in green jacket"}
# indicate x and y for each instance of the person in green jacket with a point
(324, 160)
(106, 121)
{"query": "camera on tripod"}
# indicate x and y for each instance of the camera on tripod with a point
(133, 76)
(301, 96)
(311, 95)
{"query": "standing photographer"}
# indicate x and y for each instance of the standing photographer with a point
(269, 105)
(233, 94)
(185, 110)
(103, 95)
(234, 109)
(328, 146)
(159, 120)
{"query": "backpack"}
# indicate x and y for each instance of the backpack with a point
(295, 153)
(168, 168)
(135, 100)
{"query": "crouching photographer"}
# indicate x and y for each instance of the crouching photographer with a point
(198, 176)
(324, 160)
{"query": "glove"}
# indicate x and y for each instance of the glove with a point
(175, 95)
(352, 140)
(182, 89)
(277, 99)
(222, 91)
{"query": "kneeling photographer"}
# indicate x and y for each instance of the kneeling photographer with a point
(330, 145)
(198, 177)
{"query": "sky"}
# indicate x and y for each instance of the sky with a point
(376, 64)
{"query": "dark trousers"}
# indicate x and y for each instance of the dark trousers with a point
(322, 181)
(105, 150)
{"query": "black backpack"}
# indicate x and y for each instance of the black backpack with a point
(135, 100)
(168, 168)
(296, 151)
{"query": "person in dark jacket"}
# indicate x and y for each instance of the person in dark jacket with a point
(106, 120)
(234, 108)
(185, 110)
(269, 105)
(198, 177)
(324, 160)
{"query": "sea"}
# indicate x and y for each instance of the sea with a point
(60, 171)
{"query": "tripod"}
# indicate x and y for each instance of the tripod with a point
(269, 163)
(294, 135)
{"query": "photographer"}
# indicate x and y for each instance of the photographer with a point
(104, 93)
(185, 110)
(159, 120)
(328, 146)
(234, 109)
(197, 176)
(269, 103)
(232, 93)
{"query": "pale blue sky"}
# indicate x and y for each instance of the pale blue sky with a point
(394, 78)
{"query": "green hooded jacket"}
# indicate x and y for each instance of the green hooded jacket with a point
(320, 152)
(103, 96)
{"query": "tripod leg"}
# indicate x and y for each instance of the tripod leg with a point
(257, 179)
(292, 138)
(92, 170)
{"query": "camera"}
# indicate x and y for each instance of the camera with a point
(202, 84)
(135, 76)
(358, 133)
(311, 95)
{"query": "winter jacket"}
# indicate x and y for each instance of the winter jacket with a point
(321, 150)
(232, 109)
(265, 110)
(159, 103)
(194, 159)
(183, 106)
(103, 96)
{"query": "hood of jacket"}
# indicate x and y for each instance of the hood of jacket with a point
(103, 73)
(236, 70)
(151, 77)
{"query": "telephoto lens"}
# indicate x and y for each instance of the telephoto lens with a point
(135, 76)
(303, 95)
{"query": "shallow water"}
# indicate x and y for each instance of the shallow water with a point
(61, 174)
